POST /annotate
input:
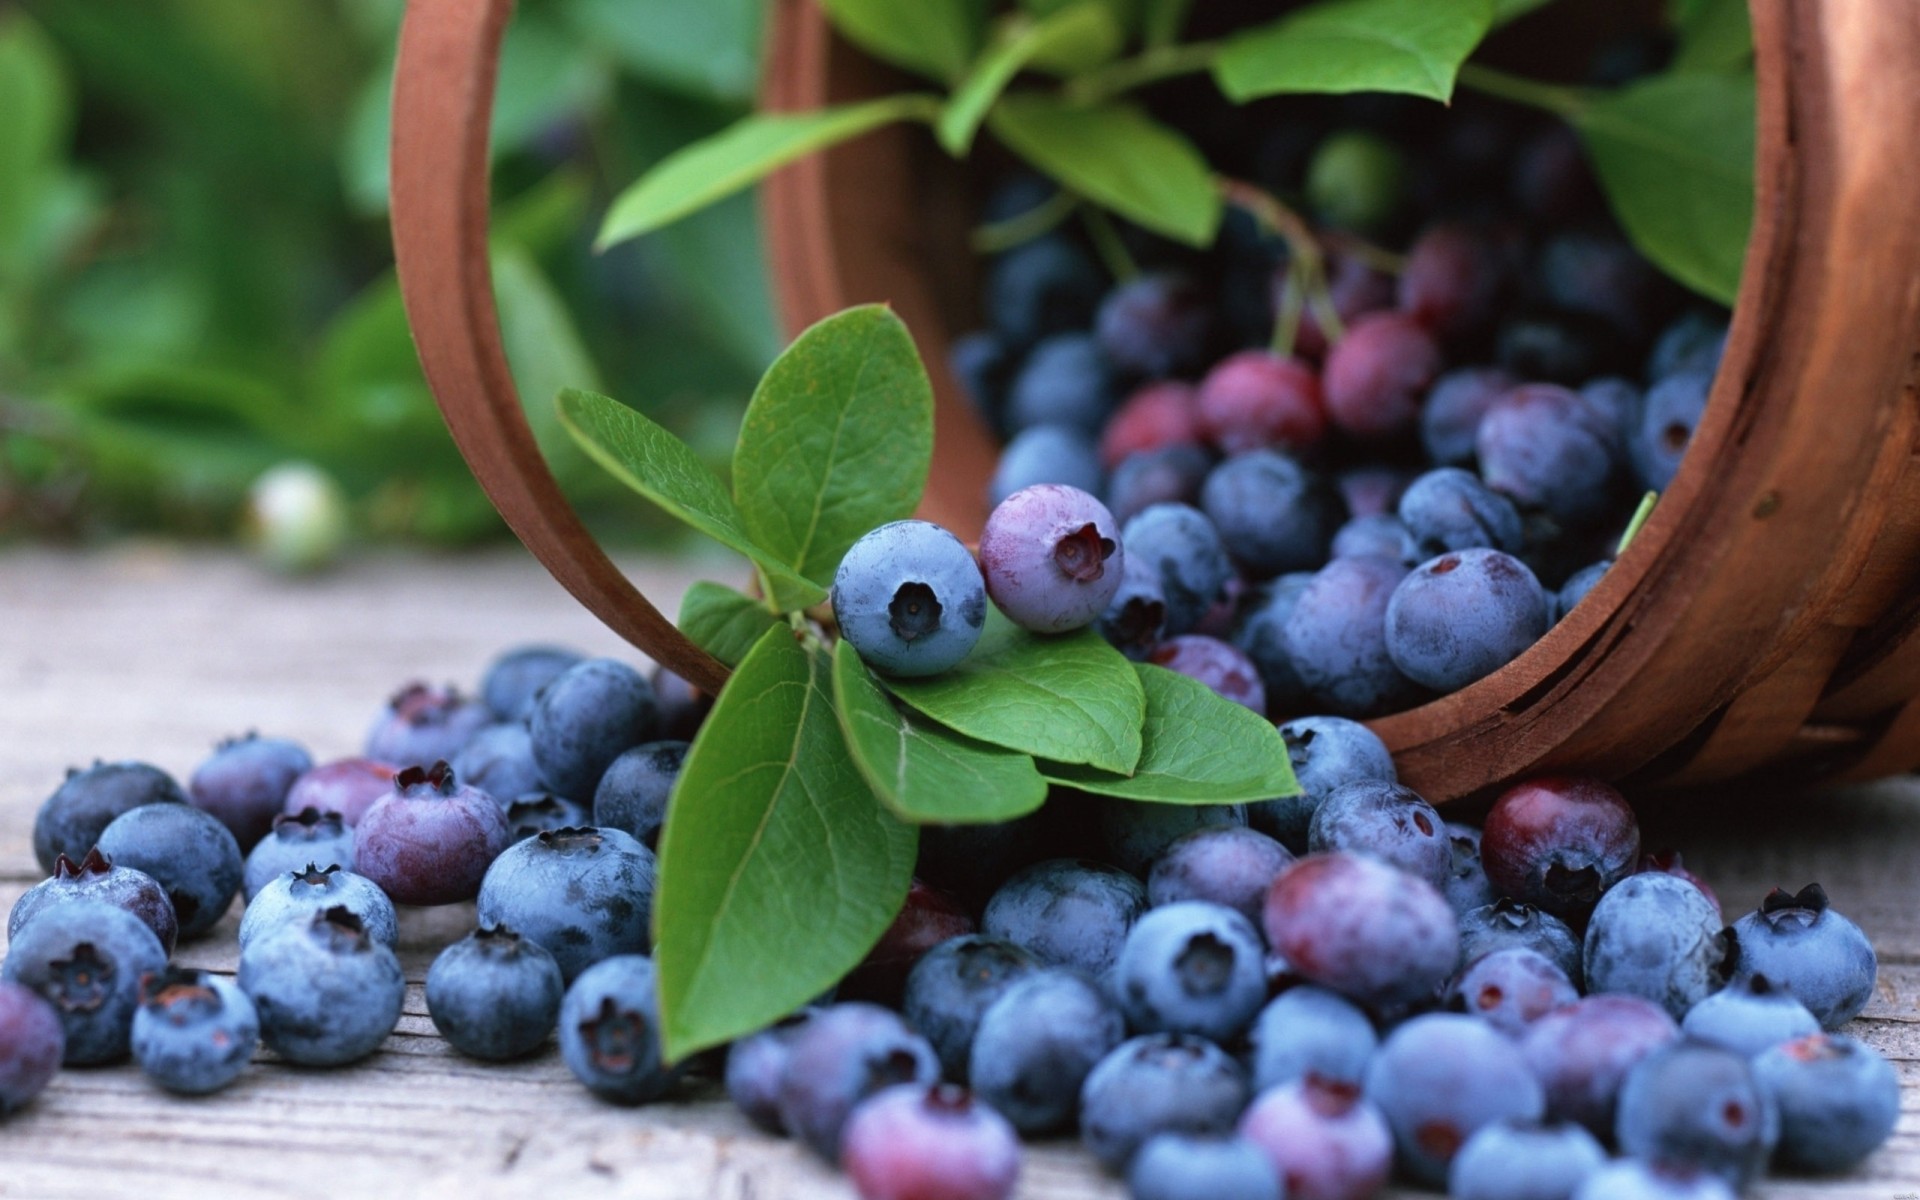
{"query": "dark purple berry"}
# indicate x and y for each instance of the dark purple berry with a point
(1450, 509)
(756, 1064)
(96, 878)
(246, 781)
(71, 820)
(1550, 451)
(1362, 928)
(1221, 666)
(32, 1044)
(1052, 558)
(1169, 475)
(348, 786)
(1229, 865)
(1378, 373)
(431, 839)
(1558, 842)
(841, 1056)
(1255, 400)
(1582, 1053)
(1154, 325)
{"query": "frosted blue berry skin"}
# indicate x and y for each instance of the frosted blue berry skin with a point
(1051, 557)
(1441, 1077)
(1192, 967)
(32, 1044)
(1133, 834)
(1805, 947)
(1575, 589)
(755, 1065)
(245, 782)
(1512, 1161)
(1658, 937)
(423, 724)
(1508, 924)
(1839, 1099)
(1670, 413)
(839, 1057)
(1174, 1166)
(1698, 1106)
(950, 989)
(1135, 619)
(97, 878)
(1387, 821)
(583, 894)
(499, 761)
(610, 1031)
(1749, 1017)
(1550, 451)
(1066, 380)
(1047, 454)
(1274, 515)
(1164, 475)
(494, 995)
(1158, 1083)
(327, 993)
(1467, 886)
(71, 820)
(322, 839)
(187, 851)
(295, 897)
(632, 796)
(513, 680)
(1181, 543)
(1628, 1179)
(538, 812)
(1511, 989)
(1227, 864)
(910, 599)
(1257, 633)
(1067, 913)
(1036, 1044)
(194, 1031)
(1327, 752)
(1462, 616)
(1337, 638)
(86, 958)
(584, 718)
(1308, 1030)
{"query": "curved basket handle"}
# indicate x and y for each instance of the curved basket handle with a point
(442, 109)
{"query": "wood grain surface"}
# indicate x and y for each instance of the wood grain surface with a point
(153, 653)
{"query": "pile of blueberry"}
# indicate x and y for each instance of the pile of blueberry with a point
(1377, 480)
(1299, 998)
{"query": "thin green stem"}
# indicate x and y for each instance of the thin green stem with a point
(997, 236)
(1286, 323)
(1554, 98)
(1107, 244)
(1149, 66)
(1640, 516)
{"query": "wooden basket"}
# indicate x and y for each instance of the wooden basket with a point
(1765, 621)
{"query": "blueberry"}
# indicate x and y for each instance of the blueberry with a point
(1255, 399)
(1508, 1160)
(610, 1031)
(1136, 616)
(1839, 1099)
(582, 894)
(194, 1032)
(294, 898)
(1693, 342)
(1467, 886)
(431, 839)
(1578, 584)
(1453, 279)
(1375, 535)
(1183, 545)
(1601, 275)
(1362, 928)
(1259, 635)
(1273, 514)
(1439, 1078)
(1051, 558)
(187, 851)
(86, 957)
(295, 842)
(1159, 1083)
(348, 786)
(1047, 454)
(1035, 1043)
(32, 1043)
(683, 707)
(1807, 949)
(952, 986)
(513, 680)
(494, 994)
(1582, 1053)
(1225, 864)
(632, 796)
(585, 718)
(1173, 1166)
(1450, 509)
(1133, 834)
(424, 724)
(755, 1065)
(983, 363)
(1158, 416)
(499, 761)
(96, 878)
(1462, 616)
(1386, 821)
(1067, 913)
(1698, 1106)
(1510, 924)
(1309, 1032)
(327, 992)
(1191, 967)
(972, 861)
(1511, 989)
(71, 820)
(1355, 288)
(1223, 667)
(919, 1140)
(1066, 380)
(246, 781)
(1629, 1179)
(538, 812)
(1337, 638)
(1748, 1017)
(927, 918)
(1617, 401)
(1322, 1139)
(1558, 842)
(1155, 324)
(1550, 451)
(1656, 936)
(1668, 862)
(1168, 475)
(1327, 752)
(1043, 286)
(1559, 346)
(909, 597)
(1377, 374)
(841, 1056)
(1373, 488)
(1671, 412)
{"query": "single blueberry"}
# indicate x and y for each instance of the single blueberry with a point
(1440, 1077)
(1839, 1099)
(1273, 514)
(499, 761)
(194, 1031)
(919, 1140)
(1258, 634)
(1450, 509)
(97, 878)
(610, 1031)
(71, 820)
(327, 993)
(1135, 619)
(32, 1043)
(494, 994)
(1226, 864)
(1510, 1160)
(1336, 637)
(1511, 924)
(423, 724)
(1656, 936)
(86, 959)
(1322, 1138)
(1066, 380)
(295, 897)
(1510, 989)
(1191, 967)
(246, 781)
(1806, 948)
(1749, 1017)
(1159, 1083)
(585, 718)
(1581, 1054)
(1698, 1106)
(582, 894)
(297, 841)
(1036, 1044)
(632, 796)
(1047, 454)
(909, 597)
(514, 679)
(187, 851)
(1462, 616)
(1067, 913)
(1184, 546)
(1173, 1166)
(1051, 557)
(1310, 1032)
(1387, 821)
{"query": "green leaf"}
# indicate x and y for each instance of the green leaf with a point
(1162, 20)
(1505, 11)
(919, 770)
(1084, 34)
(1675, 156)
(709, 50)
(741, 155)
(1071, 698)
(1197, 748)
(37, 101)
(543, 347)
(1118, 157)
(837, 440)
(1715, 35)
(779, 869)
(662, 468)
(723, 622)
(933, 37)
(1412, 46)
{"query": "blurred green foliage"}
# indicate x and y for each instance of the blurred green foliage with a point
(195, 272)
